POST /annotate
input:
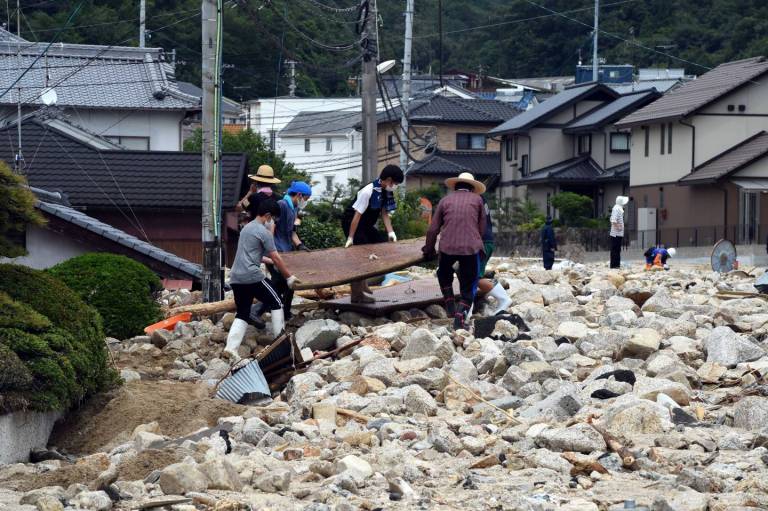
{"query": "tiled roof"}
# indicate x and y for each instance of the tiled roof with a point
(619, 172)
(230, 106)
(453, 163)
(58, 207)
(6, 36)
(144, 179)
(729, 161)
(611, 112)
(579, 169)
(91, 76)
(452, 109)
(321, 123)
(552, 106)
(698, 93)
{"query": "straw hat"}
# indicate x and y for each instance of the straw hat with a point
(265, 174)
(465, 177)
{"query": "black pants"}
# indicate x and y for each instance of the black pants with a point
(469, 274)
(549, 259)
(364, 234)
(281, 286)
(263, 291)
(616, 251)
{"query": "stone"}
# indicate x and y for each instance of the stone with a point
(417, 365)
(343, 369)
(641, 343)
(728, 348)
(435, 311)
(649, 388)
(146, 440)
(473, 445)
(443, 439)
(689, 500)
(578, 438)
(383, 370)
(423, 343)
(539, 370)
(93, 500)
(751, 413)
(318, 334)
(695, 479)
(274, 481)
(355, 466)
(462, 369)
(417, 400)
(572, 330)
(515, 378)
(254, 430)
(505, 330)
(559, 405)
(216, 370)
(221, 475)
(49, 503)
(129, 375)
(639, 417)
(301, 384)
(557, 294)
(711, 372)
(31, 498)
(659, 302)
(181, 478)
(161, 337)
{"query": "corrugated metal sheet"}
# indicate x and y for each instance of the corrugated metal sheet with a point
(730, 160)
(694, 95)
(248, 380)
(552, 106)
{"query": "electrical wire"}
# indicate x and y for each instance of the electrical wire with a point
(350, 9)
(325, 46)
(106, 23)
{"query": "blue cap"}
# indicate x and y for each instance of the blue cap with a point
(300, 187)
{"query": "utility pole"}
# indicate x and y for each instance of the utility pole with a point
(406, 97)
(369, 45)
(594, 42)
(211, 223)
(19, 155)
(440, 29)
(292, 86)
(142, 23)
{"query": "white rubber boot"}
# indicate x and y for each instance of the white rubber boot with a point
(235, 338)
(278, 322)
(502, 299)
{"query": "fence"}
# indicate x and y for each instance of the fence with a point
(597, 240)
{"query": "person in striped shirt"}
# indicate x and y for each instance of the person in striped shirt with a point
(617, 230)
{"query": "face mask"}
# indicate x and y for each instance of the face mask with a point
(391, 188)
(303, 203)
(269, 224)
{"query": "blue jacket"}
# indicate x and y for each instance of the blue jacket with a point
(284, 227)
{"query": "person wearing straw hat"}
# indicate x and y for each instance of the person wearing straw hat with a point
(617, 230)
(460, 221)
(262, 187)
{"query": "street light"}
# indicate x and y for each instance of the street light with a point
(385, 66)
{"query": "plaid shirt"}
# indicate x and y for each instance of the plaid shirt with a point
(460, 221)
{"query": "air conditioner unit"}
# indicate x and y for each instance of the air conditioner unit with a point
(646, 219)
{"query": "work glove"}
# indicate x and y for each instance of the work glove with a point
(292, 281)
(392, 236)
(303, 247)
(348, 243)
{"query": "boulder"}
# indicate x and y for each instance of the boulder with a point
(578, 438)
(221, 475)
(181, 478)
(641, 343)
(659, 302)
(301, 384)
(383, 370)
(146, 440)
(728, 348)
(557, 294)
(639, 417)
(355, 466)
(751, 413)
(418, 400)
(318, 334)
(274, 481)
(93, 500)
(571, 330)
(648, 388)
(423, 343)
(49, 503)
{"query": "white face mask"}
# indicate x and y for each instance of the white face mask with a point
(269, 224)
(391, 188)
(303, 203)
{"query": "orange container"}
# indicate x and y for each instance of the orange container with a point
(170, 323)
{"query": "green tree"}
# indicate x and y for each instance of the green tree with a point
(17, 210)
(257, 150)
(574, 209)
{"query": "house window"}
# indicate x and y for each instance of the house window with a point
(328, 184)
(390, 143)
(272, 139)
(619, 142)
(585, 144)
(647, 135)
(524, 165)
(306, 145)
(470, 141)
(669, 138)
(133, 143)
(509, 145)
(328, 145)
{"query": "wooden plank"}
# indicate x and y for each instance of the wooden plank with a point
(417, 293)
(337, 266)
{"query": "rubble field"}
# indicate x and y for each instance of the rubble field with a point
(599, 390)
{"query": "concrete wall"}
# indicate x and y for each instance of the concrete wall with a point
(263, 115)
(21, 432)
(47, 248)
(342, 163)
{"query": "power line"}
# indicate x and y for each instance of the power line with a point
(352, 8)
(107, 23)
(325, 46)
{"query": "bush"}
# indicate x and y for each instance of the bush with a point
(574, 209)
(121, 289)
(406, 220)
(57, 338)
(316, 234)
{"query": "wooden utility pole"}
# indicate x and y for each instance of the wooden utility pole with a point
(19, 155)
(369, 46)
(406, 94)
(211, 221)
(142, 23)
(595, 75)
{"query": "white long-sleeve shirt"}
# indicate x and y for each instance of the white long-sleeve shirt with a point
(617, 221)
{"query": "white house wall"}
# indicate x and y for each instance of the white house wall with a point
(275, 113)
(162, 128)
(47, 248)
(661, 168)
(343, 163)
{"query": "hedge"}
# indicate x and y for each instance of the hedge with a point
(52, 350)
(121, 289)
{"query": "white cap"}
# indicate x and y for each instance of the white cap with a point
(621, 200)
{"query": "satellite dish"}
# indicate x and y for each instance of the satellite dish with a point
(723, 257)
(49, 96)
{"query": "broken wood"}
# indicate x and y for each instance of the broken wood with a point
(353, 415)
(583, 466)
(628, 459)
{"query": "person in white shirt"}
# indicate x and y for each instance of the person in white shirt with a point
(617, 230)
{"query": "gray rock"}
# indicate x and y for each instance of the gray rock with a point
(93, 500)
(49, 503)
(751, 413)
(355, 466)
(695, 479)
(681, 501)
(636, 417)
(572, 330)
(254, 430)
(659, 302)
(430, 379)
(146, 440)
(462, 369)
(318, 334)
(418, 400)
(649, 388)
(300, 384)
(443, 439)
(274, 481)
(641, 343)
(728, 348)
(161, 337)
(181, 478)
(383, 369)
(557, 294)
(436, 311)
(578, 438)
(423, 343)
(129, 375)
(221, 475)
(559, 405)
(216, 370)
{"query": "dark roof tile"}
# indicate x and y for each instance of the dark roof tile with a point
(453, 163)
(729, 161)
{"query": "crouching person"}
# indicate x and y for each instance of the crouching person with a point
(248, 280)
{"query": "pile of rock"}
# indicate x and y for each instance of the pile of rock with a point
(604, 387)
